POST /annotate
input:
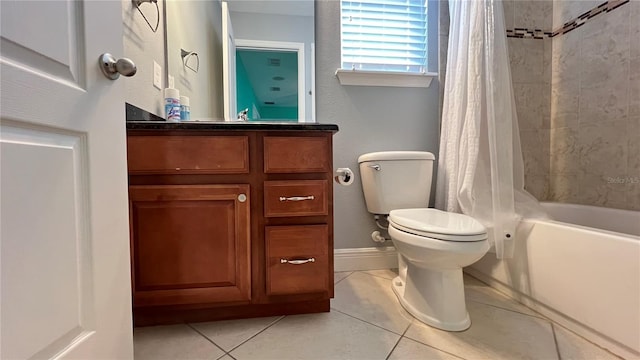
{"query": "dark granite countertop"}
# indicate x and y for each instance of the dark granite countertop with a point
(230, 126)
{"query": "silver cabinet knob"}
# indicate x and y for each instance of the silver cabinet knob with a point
(112, 68)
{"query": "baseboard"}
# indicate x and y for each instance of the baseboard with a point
(557, 317)
(373, 258)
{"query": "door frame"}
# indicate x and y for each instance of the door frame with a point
(248, 44)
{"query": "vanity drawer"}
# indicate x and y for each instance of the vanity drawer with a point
(297, 259)
(297, 154)
(295, 198)
(188, 154)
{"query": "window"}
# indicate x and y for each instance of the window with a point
(384, 36)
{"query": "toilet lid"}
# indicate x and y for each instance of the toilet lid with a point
(438, 224)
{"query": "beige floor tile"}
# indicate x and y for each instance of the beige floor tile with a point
(386, 273)
(494, 334)
(226, 357)
(477, 291)
(230, 333)
(337, 276)
(371, 299)
(408, 349)
(172, 342)
(574, 347)
(323, 336)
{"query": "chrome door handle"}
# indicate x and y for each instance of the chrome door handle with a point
(297, 198)
(112, 68)
(375, 167)
(297, 262)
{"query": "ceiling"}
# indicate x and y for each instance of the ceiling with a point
(261, 73)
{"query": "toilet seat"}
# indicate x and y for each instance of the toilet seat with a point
(438, 224)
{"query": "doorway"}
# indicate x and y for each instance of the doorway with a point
(270, 80)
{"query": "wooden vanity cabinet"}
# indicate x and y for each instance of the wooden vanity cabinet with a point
(230, 224)
(190, 244)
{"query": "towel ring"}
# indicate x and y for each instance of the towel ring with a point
(185, 59)
(137, 3)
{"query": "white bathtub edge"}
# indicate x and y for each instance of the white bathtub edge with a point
(557, 317)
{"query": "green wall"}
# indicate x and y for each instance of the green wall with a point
(279, 113)
(245, 96)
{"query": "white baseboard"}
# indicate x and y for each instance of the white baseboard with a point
(373, 258)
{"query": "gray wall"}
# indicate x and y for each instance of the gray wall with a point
(143, 46)
(197, 27)
(370, 119)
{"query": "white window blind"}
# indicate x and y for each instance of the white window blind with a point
(384, 35)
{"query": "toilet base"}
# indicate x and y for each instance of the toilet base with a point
(438, 300)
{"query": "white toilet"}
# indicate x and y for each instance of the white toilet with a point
(433, 245)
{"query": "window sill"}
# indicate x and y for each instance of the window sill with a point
(384, 78)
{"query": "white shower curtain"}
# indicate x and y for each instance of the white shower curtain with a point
(480, 168)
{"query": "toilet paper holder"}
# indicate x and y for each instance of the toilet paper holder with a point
(345, 173)
(344, 176)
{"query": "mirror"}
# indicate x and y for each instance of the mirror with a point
(269, 67)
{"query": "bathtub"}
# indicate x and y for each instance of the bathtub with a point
(581, 269)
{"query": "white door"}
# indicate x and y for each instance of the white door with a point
(228, 66)
(64, 245)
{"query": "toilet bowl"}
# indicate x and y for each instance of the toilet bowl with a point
(433, 246)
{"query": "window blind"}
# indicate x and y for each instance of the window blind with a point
(384, 35)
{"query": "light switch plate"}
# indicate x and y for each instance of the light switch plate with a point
(171, 82)
(157, 75)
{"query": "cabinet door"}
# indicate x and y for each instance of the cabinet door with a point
(190, 244)
(297, 259)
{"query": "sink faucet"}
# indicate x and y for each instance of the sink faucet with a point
(242, 115)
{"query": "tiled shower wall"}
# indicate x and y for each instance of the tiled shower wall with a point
(578, 100)
(595, 107)
(529, 60)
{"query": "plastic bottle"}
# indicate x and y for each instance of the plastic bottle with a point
(172, 104)
(185, 109)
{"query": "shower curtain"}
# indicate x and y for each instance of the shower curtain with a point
(480, 167)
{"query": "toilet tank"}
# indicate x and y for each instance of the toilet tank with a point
(396, 180)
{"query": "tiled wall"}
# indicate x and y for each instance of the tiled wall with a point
(529, 60)
(595, 107)
(578, 98)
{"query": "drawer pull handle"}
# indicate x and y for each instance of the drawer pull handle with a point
(297, 198)
(297, 262)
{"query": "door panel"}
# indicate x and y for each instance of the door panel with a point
(55, 56)
(64, 252)
(44, 279)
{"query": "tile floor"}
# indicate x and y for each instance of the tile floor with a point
(366, 322)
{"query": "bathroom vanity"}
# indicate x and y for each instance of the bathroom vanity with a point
(229, 220)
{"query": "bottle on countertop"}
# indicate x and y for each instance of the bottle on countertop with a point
(185, 109)
(172, 104)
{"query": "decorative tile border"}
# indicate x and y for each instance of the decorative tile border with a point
(568, 26)
(529, 33)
